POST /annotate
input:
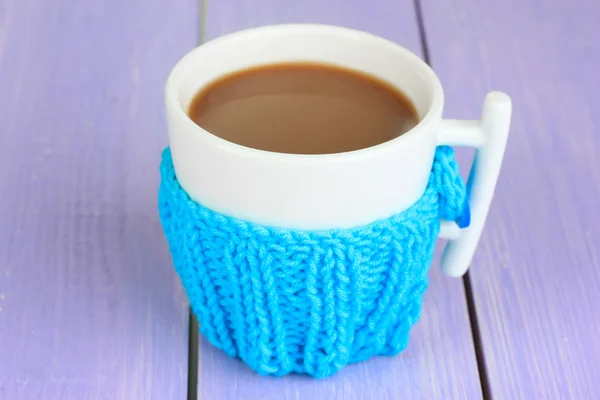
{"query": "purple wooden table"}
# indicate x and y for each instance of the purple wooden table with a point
(90, 307)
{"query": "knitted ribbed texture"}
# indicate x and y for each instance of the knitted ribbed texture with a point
(307, 301)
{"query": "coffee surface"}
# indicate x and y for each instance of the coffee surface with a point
(303, 108)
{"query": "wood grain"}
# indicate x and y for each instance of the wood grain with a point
(537, 271)
(90, 307)
(440, 361)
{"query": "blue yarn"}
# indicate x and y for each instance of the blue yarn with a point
(307, 302)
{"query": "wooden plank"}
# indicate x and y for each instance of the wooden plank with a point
(440, 361)
(90, 306)
(537, 273)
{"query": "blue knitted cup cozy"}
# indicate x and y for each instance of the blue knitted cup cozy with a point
(307, 302)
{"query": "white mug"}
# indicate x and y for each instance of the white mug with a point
(343, 190)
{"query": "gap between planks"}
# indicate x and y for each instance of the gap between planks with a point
(194, 328)
(193, 357)
(469, 298)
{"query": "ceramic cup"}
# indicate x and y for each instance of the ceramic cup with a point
(343, 190)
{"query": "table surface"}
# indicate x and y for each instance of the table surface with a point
(90, 306)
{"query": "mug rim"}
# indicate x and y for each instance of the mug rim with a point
(433, 113)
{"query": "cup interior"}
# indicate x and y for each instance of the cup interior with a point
(307, 43)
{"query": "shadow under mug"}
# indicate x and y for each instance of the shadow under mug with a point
(331, 191)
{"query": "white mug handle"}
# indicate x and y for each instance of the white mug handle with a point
(488, 136)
